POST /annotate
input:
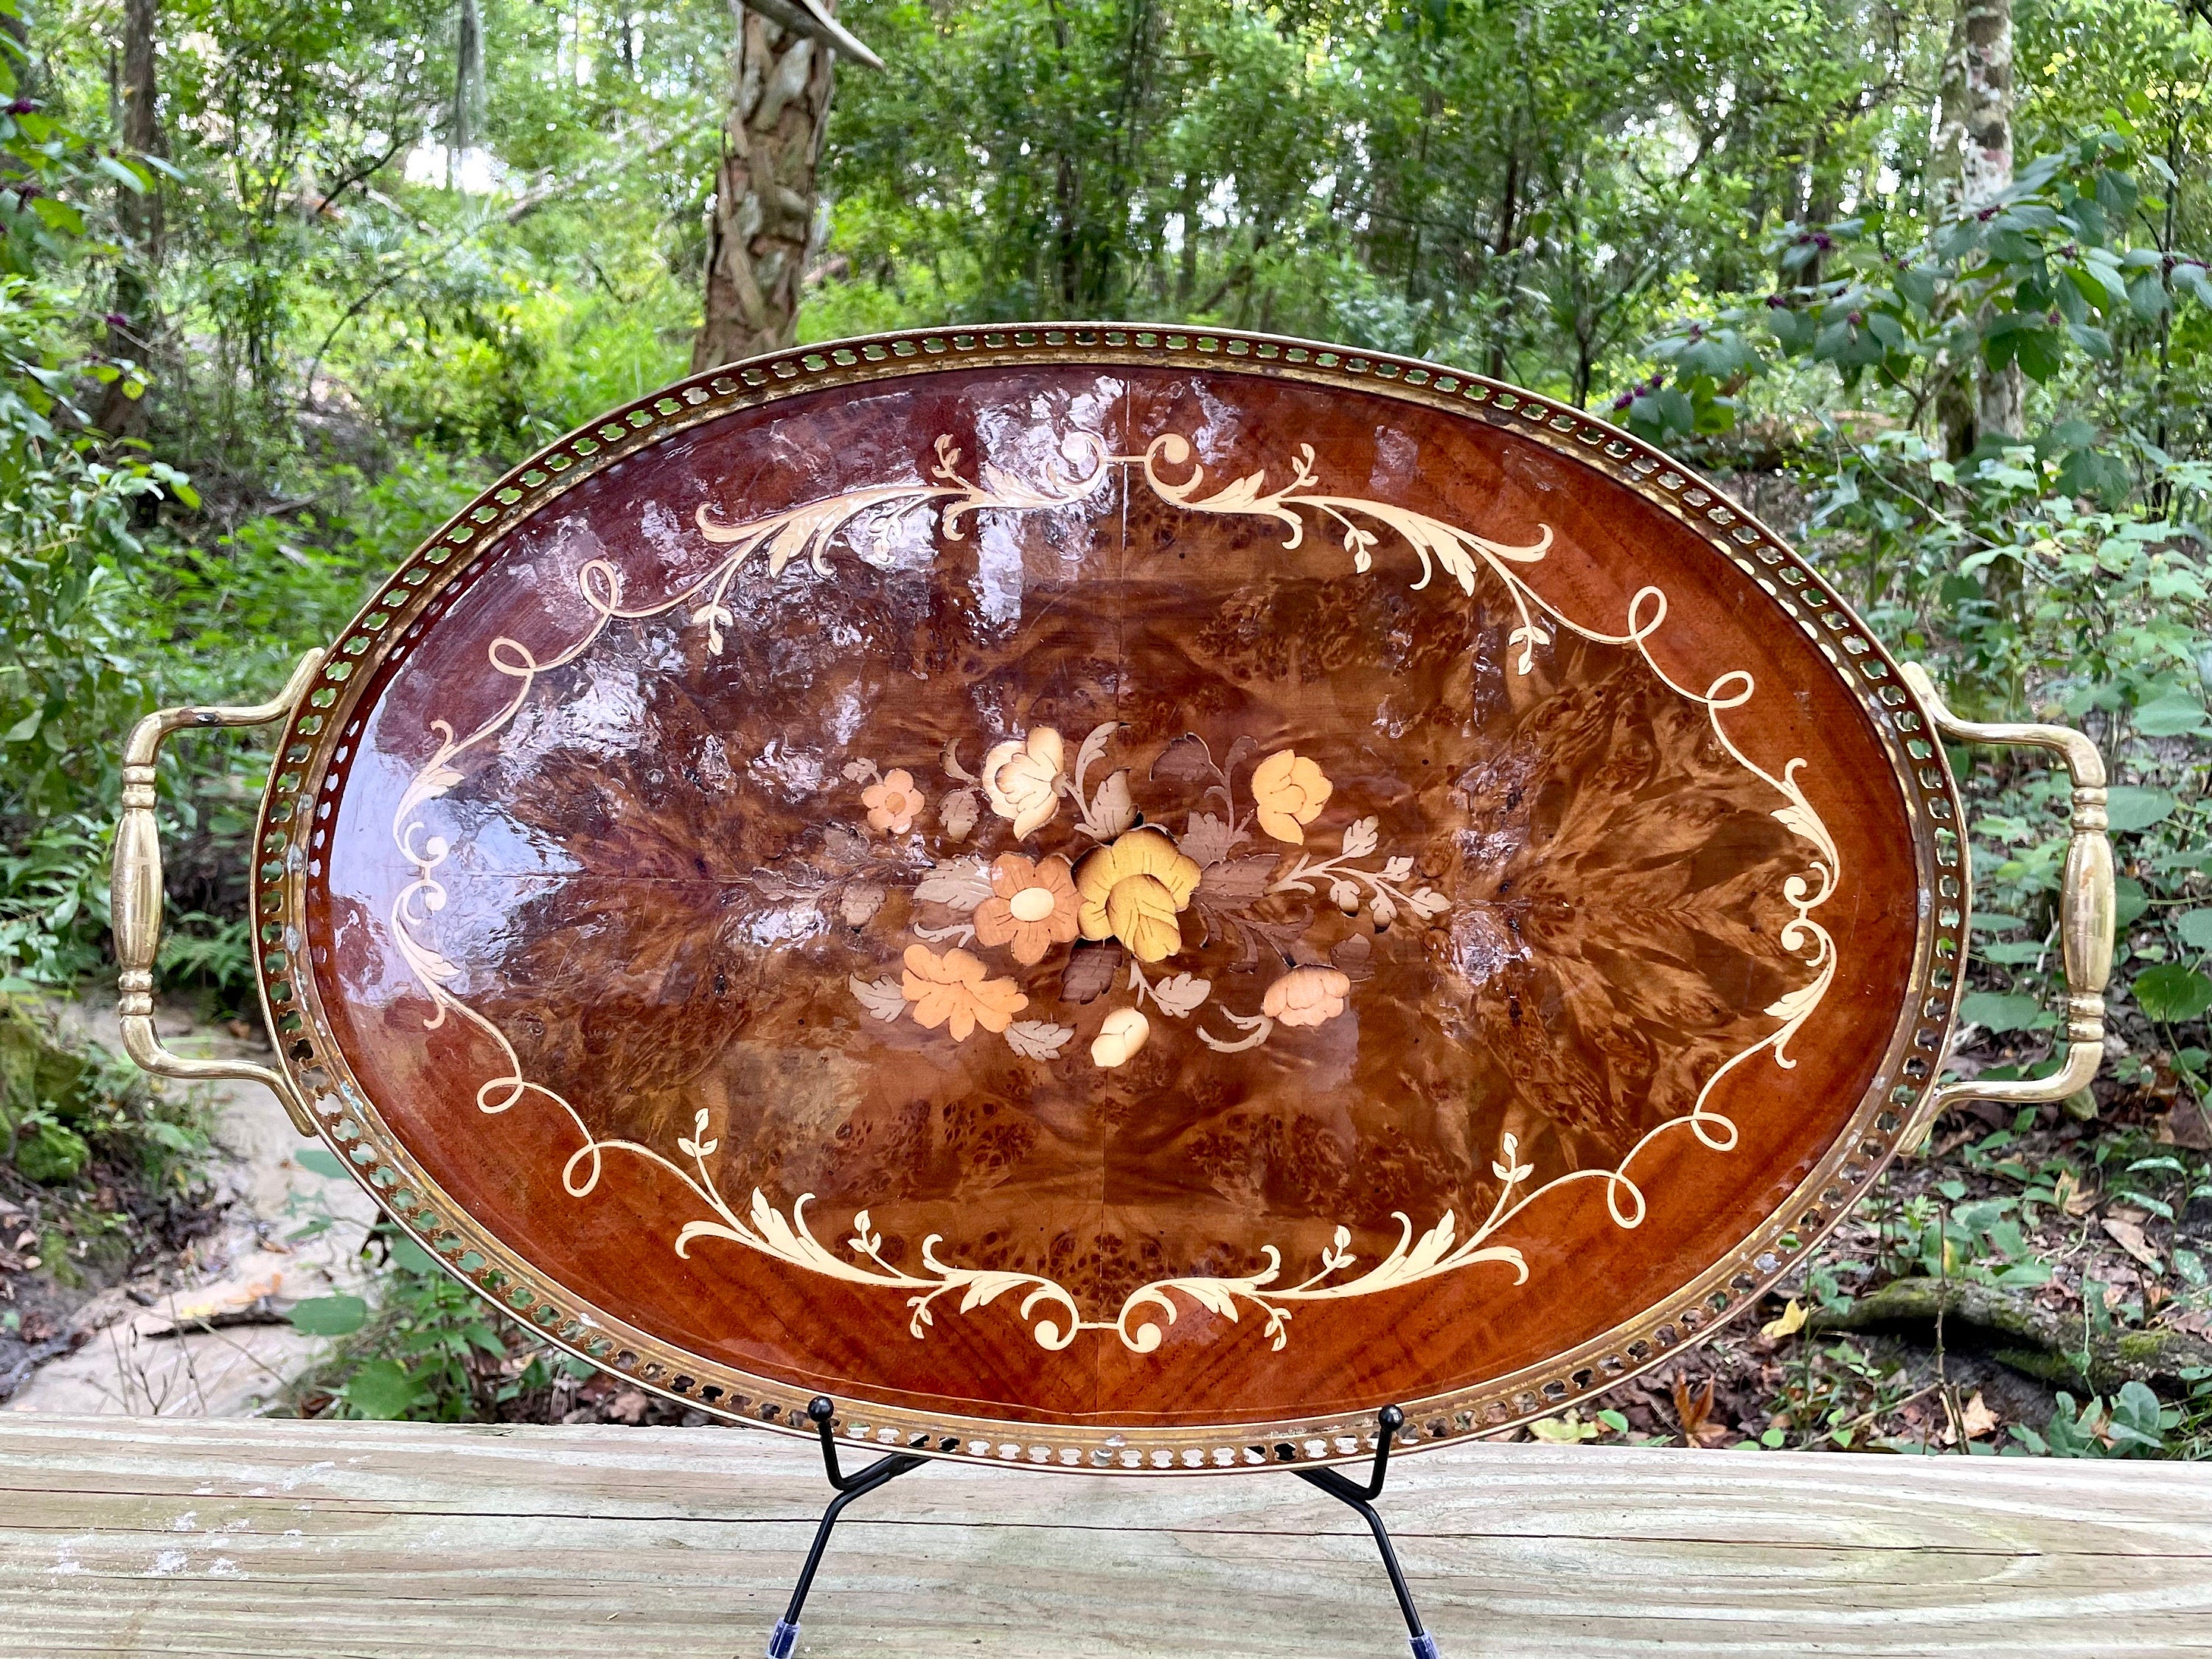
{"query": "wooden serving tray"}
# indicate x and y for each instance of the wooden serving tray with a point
(1110, 899)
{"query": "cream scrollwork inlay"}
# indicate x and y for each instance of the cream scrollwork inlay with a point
(1126, 889)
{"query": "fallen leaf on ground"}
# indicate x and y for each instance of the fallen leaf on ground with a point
(1978, 1419)
(1692, 1410)
(1791, 1321)
(2129, 1236)
(1564, 1430)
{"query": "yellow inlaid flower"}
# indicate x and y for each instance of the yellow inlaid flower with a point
(1022, 778)
(951, 991)
(1031, 907)
(1121, 1035)
(1289, 790)
(1306, 996)
(1134, 889)
(893, 802)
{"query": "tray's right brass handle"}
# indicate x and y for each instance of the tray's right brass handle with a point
(2085, 913)
(135, 891)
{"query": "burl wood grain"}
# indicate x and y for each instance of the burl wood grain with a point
(663, 885)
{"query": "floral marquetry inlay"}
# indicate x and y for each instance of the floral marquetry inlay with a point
(1102, 900)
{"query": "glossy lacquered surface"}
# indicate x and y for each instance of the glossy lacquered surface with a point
(1105, 895)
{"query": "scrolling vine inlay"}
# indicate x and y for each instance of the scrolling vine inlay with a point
(1190, 893)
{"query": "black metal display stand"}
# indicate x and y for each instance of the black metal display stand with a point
(784, 1642)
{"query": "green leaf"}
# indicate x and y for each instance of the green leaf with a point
(382, 1388)
(2091, 339)
(2170, 715)
(57, 215)
(329, 1315)
(2000, 1010)
(2171, 993)
(321, 1160)
(127, 176)
(2195, 927)
(407, 1254)
(2130, 807)
(2129, 902)
(26, 728)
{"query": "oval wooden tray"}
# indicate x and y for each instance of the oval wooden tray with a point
(1111, 899)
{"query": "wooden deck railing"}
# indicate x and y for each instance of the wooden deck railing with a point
(129, 1536)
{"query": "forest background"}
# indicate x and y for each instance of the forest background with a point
(283, 282)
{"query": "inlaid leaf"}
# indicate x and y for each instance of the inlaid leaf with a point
(1037, 1039)
(1112, 811)
(861, 902)
(1426, 902)
(1208, 839)
(1091, 969)
(957, 812)
(1359, 839)
(1093, 747)
(1179, 994)
(1239, 881)
(1187, 759)
(963, 884)
(883, 998)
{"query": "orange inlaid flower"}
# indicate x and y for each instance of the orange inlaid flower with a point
(893, 802)
(1306, 996)
(951, 991)
(1289, 790)
(1032, 906)
(1022, 778)
(1134, 889)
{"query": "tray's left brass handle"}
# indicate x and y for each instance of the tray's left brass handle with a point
(2085, 913)
(135, 891)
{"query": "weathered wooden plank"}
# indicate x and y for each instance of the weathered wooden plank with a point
(270, 1539)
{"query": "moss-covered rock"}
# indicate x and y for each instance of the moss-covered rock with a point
(49, 1151)
(45, 1088)
(36, 1070)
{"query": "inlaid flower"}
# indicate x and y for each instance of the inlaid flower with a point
(1306, 996)
(952, 990)
(1135, 891)
(1120, 1036)
(1289, 792)
(1022, 778)
(892, 801)
(1031, 908)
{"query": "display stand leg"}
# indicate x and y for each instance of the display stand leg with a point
(1361, 1499)
(785, 1641)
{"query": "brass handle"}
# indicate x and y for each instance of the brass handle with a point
(2085, 913)
(135, 891)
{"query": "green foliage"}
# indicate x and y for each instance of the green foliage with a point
(430, 1349)
(64, 1101)
(2133, 1424)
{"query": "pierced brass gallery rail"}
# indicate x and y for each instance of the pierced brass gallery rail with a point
(135, 891)
(2085, 913)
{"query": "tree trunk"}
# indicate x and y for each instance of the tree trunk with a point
(1972, 166)
(133, 331)
(765, 192)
